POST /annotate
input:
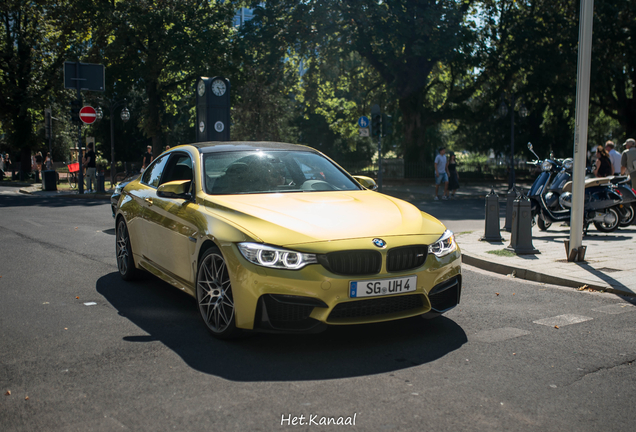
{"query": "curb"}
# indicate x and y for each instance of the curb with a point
(531, 275)
(26, 191)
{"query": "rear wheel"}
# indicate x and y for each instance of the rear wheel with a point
(627, 215)
(214, 295)
(611, 222)
(125, 260)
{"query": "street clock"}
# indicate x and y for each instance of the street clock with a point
(213, 109)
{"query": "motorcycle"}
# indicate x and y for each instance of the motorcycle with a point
(601, 204)
(628, 210)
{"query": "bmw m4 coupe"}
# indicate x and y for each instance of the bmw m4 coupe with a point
(277, 237)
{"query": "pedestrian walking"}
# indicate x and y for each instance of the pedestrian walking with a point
(614, 156)
(628, 160)
(3, 167)
(48, 162)
(146, 158)
(441, 173)
(603, 163)
(453, 175)
(89, 163)
(38, 161)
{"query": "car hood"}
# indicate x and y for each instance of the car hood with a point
(294, 218)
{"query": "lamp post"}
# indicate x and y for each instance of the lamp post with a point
(503, 111)
(125, 116)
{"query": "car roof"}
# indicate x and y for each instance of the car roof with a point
(229, 146)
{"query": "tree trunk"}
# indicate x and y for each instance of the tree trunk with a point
(154, 109)
(413, 126)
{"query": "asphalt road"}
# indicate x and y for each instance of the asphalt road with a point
(82, 350)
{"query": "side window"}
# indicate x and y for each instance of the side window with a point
(152, 175)
(178, 168)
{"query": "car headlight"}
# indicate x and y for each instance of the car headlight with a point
(445, 245)
(546, 165)
(273, 257)
(118, 189)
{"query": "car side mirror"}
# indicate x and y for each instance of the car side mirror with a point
(178, 189)
(366, 182)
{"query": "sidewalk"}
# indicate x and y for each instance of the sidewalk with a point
(609, 264)
(36, 189)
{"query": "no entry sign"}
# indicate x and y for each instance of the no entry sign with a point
(87, 114)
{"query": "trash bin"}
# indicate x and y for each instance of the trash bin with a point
(100, 183)
(49, 180)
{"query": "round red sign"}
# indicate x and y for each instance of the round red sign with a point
(87, 114)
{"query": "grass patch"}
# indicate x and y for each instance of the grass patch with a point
(502, 252)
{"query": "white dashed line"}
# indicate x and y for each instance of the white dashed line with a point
(562, 320)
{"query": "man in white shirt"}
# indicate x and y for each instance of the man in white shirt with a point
(614, 156)
(628, 160)
(441, 173)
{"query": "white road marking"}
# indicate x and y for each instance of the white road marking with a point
(499, 335)
(562, 320)
(616, 309)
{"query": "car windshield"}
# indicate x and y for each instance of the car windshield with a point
(245, 172)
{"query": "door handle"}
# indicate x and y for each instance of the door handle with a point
(148, 200)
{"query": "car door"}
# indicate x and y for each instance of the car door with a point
(171, 231)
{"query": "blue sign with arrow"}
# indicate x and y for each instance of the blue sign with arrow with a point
(363, 122)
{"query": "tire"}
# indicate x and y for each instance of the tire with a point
(627, 216)
(125, 260)
(214, 295)
(603, 227)
(543, 225)
(72, 180)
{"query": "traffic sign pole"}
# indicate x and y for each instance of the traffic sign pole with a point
(80, 180)
(375, 111)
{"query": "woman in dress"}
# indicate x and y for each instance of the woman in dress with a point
(453, 176)
(604, 166)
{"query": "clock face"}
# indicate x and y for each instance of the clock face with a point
(219, 126)
(218, 87)
(201, 88)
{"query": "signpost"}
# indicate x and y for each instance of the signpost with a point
(375, 112)
(83, 76)
(88, 115)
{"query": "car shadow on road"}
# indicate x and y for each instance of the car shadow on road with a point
(170, 316)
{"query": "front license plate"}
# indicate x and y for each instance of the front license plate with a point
(380, 287)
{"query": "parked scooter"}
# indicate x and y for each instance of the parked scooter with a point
(601, 205)
(628, 210)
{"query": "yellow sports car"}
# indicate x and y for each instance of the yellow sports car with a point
(277, 237)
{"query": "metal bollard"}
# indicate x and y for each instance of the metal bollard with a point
(521, 238)
(492, 218)
(512, 195)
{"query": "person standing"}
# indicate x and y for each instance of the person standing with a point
(89, 163)
(628, 160)
(441, 173)
(453, 175)
(48, 162)
(146, 158)
(614, 156)
(603, 163)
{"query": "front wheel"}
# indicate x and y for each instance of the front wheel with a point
(543, 225)
(627, 215)
(610, 222)
(214, 295)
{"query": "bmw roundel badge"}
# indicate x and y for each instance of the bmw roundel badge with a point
(379, 242)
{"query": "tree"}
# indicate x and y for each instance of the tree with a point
(160, 48)
(420, 50)
(37, 37)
